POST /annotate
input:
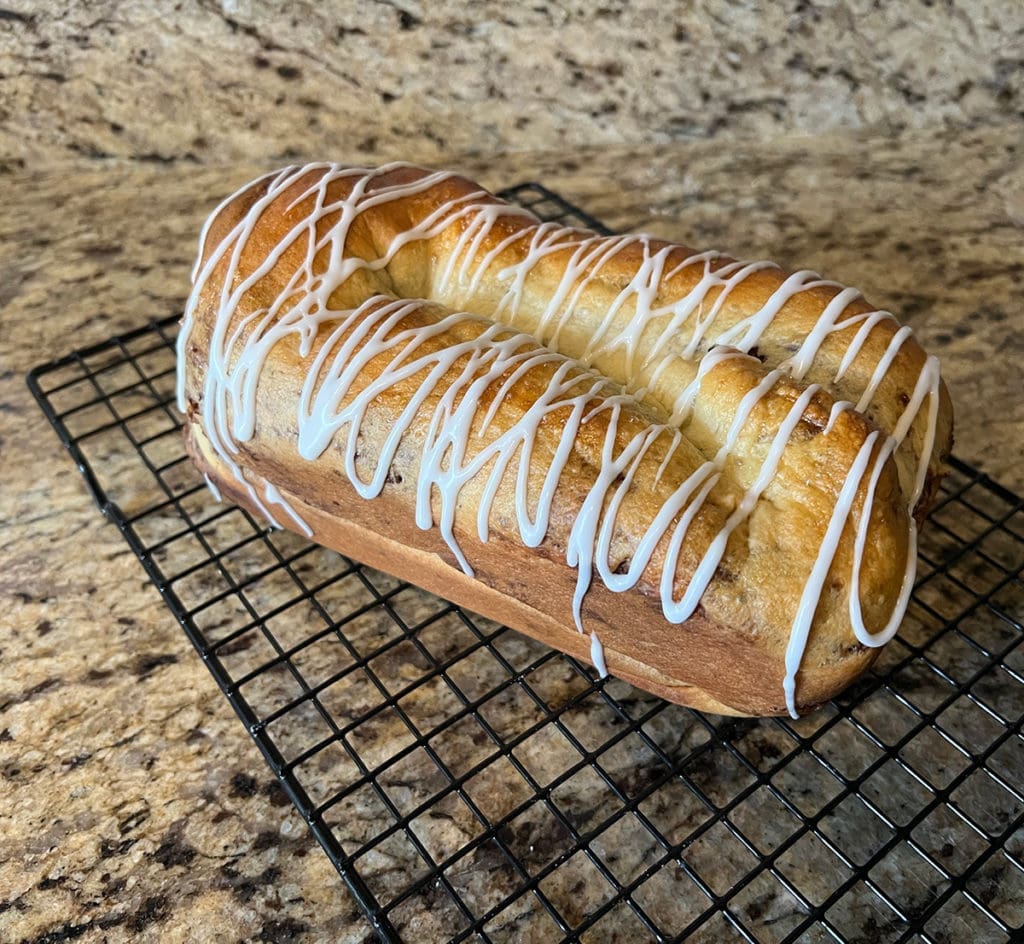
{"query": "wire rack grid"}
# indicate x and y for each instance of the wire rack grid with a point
(470, 784)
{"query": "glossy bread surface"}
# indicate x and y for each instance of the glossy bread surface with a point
(701, 472)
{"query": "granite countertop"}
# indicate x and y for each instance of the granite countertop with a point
(165, 82)
(135, 806)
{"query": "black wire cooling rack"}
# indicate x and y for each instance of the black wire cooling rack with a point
(470, 784)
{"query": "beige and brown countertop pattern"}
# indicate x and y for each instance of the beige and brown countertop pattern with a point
(133, 805)
(233, 79)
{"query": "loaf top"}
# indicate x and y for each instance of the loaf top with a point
(709, 392)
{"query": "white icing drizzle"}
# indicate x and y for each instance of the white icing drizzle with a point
(597, 655)
(212, 486)
(331, 409)
(274, 497)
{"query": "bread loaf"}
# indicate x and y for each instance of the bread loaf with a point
(704, 476)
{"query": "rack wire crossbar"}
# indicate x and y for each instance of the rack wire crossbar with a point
(470, 784)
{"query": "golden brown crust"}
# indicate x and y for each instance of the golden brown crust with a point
(729, 656)
(684, 664)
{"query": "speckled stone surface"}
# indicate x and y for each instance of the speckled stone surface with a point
(135, 807)
(232, 80)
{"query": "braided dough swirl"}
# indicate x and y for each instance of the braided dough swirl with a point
(703, 475)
